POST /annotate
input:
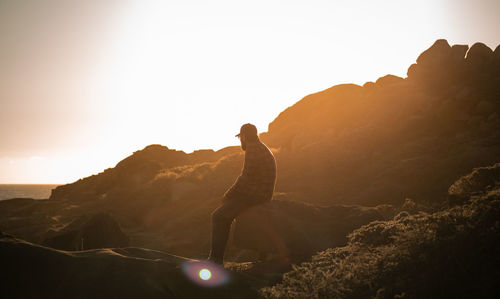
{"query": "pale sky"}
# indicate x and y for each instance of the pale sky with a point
(83, 84)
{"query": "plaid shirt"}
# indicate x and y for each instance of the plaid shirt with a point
(258, 176)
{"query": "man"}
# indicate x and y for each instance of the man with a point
(254, 186)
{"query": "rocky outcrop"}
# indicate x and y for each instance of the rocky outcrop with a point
(132, 172)
(294, 230)
(88, 232)
(479, 55)
(442, 66)
(439, 53)
(32, 271)
(393, 138)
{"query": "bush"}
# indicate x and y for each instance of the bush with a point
(447, 254)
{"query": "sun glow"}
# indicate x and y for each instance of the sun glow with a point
(188, 76)
(205, 274)
(126, 74)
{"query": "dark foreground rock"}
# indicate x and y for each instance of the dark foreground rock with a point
(33, 271)
(294, 230)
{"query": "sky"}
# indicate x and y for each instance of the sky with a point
(84, 84)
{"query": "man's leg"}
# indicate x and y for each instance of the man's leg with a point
(222, 218)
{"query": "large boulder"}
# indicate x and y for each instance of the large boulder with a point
(479, 55)
(88, 232)
(458, 52)
(439, 66)
(440, 52)
(295, 230)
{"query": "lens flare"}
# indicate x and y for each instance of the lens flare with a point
(205, 273)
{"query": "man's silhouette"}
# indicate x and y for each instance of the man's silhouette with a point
(255, 185)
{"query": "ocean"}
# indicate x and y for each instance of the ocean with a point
(36, 191)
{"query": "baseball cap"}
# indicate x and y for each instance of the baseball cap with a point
(247, 130)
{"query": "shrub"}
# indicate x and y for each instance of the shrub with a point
(447, 254)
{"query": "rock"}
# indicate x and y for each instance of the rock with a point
(5, 235)
(368, 85)
(438, 53)
(437, 66)
(295, 230)
(479, 55)
(97, 231)
(388, 80)
(33, 271)
(412, 71)
(496, 54)
(458, 52)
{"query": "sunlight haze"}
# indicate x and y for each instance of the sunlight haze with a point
(83, 84)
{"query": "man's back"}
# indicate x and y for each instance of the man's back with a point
(258, 176)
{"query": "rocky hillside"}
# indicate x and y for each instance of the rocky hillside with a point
(395, 137)
(382, 142)
(388, 142)
(132, 172)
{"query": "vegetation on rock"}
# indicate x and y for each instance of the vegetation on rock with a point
(452, 253)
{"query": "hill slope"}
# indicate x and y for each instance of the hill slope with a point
(394, 138)
(377, 143)
(380, 143)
